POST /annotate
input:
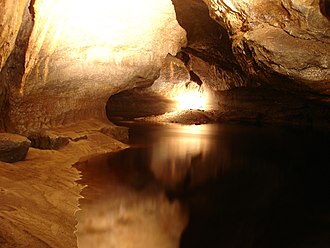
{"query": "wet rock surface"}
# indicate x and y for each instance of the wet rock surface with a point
(13, 147)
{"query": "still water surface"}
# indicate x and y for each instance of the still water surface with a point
(209, 186)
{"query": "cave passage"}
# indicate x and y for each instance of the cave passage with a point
(209, 185)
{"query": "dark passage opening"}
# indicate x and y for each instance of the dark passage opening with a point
(135, 103)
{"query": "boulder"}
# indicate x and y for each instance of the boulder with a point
(13, 147)
(48, 140)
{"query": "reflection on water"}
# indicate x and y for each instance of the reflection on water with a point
(124, 206)
(175, 152)
(209, 186)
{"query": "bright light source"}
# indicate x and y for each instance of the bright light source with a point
(108, 25)
(90, 37)
(191, 97)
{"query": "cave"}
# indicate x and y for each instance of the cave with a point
(168, 123)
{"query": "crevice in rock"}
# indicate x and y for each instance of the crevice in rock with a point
(31, 9)
(325, 8)
(12, 72)
(208, 40)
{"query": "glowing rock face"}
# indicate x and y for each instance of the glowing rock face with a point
(101, 32)
(82, 52)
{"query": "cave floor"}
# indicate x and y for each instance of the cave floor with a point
(39, 196)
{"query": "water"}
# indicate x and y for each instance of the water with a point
(209, 186)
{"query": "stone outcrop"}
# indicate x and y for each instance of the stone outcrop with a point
(290, 38)
(13, 147)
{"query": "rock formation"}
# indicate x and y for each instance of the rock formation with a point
(290, 38)
(80, 54)
(12, 15)
(13, 147)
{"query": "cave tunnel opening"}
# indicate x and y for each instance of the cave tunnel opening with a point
(159, 99)
(132, 104)
(186, 81)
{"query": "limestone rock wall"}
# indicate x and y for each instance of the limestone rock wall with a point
(286, 37)
(209, 47)
(11, 17)
(80, 54)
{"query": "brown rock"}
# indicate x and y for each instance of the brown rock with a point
(290, 38)
(11, 14)
(82, 55)
(48, 140)
(11, 19)
(13, 147)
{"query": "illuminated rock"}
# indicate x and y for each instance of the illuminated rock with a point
(291, 38)
(80, 53)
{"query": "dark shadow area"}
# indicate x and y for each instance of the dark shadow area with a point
(206, 38)
(133, 104)
(265, 105)
(257, 106)
(12, 72)
(325, 8)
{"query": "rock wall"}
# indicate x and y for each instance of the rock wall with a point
(209, 47)
(290, 38)
(79, 54)
(11, 17)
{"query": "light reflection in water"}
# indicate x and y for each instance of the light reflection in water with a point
(233, 182)
(125, 202)
(124, 207)
(175, 152)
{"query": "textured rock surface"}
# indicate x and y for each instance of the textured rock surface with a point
(13, 147)
(39, 196)
(48, 141)
(75, 61)
(12, 15)
(209, 47)
(288, 37)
